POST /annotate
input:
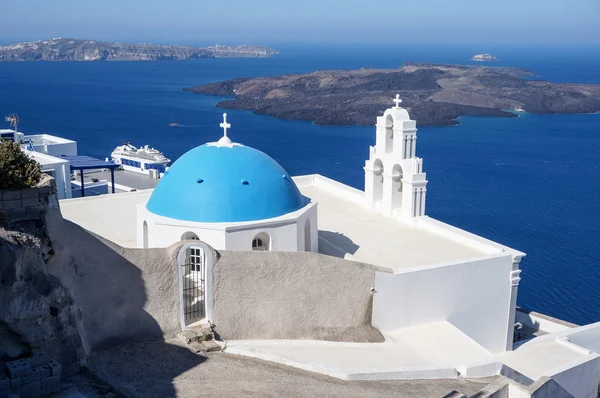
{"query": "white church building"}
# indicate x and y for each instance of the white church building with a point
(232, 197)
(443, 298)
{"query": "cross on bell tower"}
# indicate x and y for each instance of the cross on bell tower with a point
(397, 100)
(395, 184)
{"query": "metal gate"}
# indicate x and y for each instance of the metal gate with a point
(193, 285)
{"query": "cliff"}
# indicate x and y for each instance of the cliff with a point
(92, 50)
(435, 95)
(36, 311)
(67, 292)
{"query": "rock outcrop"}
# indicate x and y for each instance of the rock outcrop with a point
(92, 50)
(36, 312)
(435, 95)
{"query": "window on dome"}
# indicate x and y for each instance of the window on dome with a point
(261, 242)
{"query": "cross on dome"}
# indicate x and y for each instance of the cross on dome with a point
(397, 100)
(225, 125)
(224, 141)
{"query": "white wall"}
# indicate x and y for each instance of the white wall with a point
(283, 237)
(541, 322)
(311, 216)
(587, 337)
(286, 233)
(160, 235)
(474, 296)
(580, 379)
(51, 145)
(59, 169)
(90, 188)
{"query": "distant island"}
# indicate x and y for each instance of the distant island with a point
(484, 58)
(435, 95)
(92, 50)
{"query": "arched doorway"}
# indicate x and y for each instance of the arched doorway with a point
(193, 277)
(377, 184)
(145, 235)
(397, 187)
(307, 236)
(261, 242)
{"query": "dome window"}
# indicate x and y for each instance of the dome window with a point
(200, 181)
(245, 182)
(261, 242)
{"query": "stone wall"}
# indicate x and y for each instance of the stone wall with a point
(120, 295)
(37, 376)
(66, 291)
(27, 203)
(292, 295)
(102, 294)
(35, 308)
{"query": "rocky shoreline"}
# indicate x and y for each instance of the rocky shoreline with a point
(435, 95)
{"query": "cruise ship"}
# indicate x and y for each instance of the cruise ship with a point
(141, 160)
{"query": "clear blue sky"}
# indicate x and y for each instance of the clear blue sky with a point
(279, 21)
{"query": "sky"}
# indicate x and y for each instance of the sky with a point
(200, 22)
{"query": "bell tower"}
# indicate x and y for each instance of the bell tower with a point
(395, 185)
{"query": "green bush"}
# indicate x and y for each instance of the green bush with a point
(17, 170)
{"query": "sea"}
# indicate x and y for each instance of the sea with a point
(532, 182)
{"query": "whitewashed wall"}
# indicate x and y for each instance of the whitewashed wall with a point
(59, 169)
(52, 145)
(580, 379)
(286, 233)
(474, 296)
(160, 235)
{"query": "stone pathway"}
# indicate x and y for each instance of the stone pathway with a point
(171, 369)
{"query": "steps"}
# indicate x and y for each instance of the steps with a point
(199, 337)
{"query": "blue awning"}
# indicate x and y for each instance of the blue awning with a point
(88, 163)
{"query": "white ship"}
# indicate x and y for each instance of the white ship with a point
(141, 160)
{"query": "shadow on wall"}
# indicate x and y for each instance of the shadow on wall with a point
(120, 296)
(124, 298)
(339, 241)
(71, 293)
(108, 289)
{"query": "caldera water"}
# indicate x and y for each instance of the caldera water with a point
(532, 182)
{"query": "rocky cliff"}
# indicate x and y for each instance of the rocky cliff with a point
(36, 311)
(67, 292)
(92, 50)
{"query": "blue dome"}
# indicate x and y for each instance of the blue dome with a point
(225, 184)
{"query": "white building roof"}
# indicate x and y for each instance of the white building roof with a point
(47, 139)
(370, 238)
(355, 232)
(111, 216)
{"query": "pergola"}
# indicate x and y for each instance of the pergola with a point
(88, 163)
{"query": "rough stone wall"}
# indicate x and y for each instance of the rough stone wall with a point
(120, 294)
(27, 203)
(292, 295)
(66, 291)
(35, 308)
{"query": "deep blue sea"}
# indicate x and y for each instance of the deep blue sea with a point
(531, 182)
